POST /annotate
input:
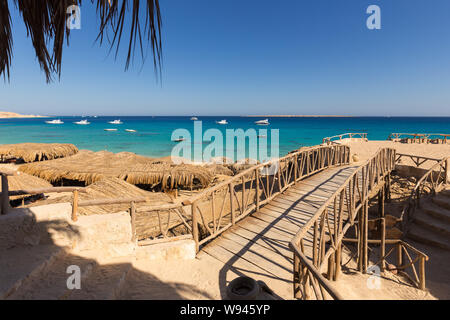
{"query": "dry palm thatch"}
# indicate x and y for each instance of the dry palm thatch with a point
(45, 21)
(147, 223)
(30, 152)
(108, 188)
(89, 167)
(24, 181)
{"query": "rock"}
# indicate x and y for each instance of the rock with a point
(355, 158)
(392, 268)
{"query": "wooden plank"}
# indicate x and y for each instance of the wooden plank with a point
(275, 245)
(258, 226)
(239, 235)
(262, 259)
(241, 265)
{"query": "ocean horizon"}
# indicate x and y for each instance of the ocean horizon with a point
(153, 133)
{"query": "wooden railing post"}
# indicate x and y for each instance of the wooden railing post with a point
(446, 173)
(195, 226)
(233, 217)
(399, 254)
(422, 284)
(133, 220)
(257, 189)
(75, 206)
(383, 243)
(296, 277)
(4, 205)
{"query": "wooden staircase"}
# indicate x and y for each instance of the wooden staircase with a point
(431, 222)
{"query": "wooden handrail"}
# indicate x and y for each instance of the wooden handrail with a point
(417, 136)
(413, 200)
(329, 140)
(46, 190)
(237, 177)
(354, 197)
(418, 160)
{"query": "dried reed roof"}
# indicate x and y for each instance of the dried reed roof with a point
(108, 188)
(30, 152)
(24, 181)
(89, 167)
(147, 224)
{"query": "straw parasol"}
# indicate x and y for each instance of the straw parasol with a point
(30, 152)
(147, 223)
(108, 188)
(24, 181)
(89, 167)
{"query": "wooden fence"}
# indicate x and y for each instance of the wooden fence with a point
(236, 198)
(419, 137)
(417, 160)
(339, 137)
(431, 182)
(325, 230)
(211, 212)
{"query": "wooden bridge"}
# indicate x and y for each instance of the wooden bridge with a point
(285, 220)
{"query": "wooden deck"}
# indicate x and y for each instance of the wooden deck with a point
(258, 247)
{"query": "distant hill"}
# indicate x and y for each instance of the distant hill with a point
(5, 114)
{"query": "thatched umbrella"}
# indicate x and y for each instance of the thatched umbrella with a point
(29, 152)
(147, 223)
(89, 167)
(45, 21)
(24, 181)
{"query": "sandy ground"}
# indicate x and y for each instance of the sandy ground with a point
(365, 150)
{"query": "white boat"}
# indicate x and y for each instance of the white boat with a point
(56, 121)
(262, 122)
(194, 118)
(222, 122)
(115, 122)
(82, 122)
(179, 140)
(110, 129)
(130, 130)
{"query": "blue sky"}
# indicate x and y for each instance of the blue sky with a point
(240, 57)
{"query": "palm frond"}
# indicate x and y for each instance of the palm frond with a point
(45, 21)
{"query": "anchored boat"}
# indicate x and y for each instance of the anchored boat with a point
(262, 122)
(56, 121)
(115, 122)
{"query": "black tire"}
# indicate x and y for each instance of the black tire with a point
(243, 288)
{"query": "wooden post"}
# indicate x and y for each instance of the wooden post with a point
(446, 173)
(295, 168)
(422, 272)
(331, 264)
(133, 221)
(399, 254)
(233, 218)
(4, 206)
(195, 226)
(383, 243)
(296, 279)
(257, 189)
(75, 205)
(337, 270)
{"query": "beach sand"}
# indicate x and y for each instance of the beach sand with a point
(7, 115)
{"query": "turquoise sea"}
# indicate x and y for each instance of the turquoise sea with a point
(153, 136)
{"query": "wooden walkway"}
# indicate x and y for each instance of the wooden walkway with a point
(258, 246)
